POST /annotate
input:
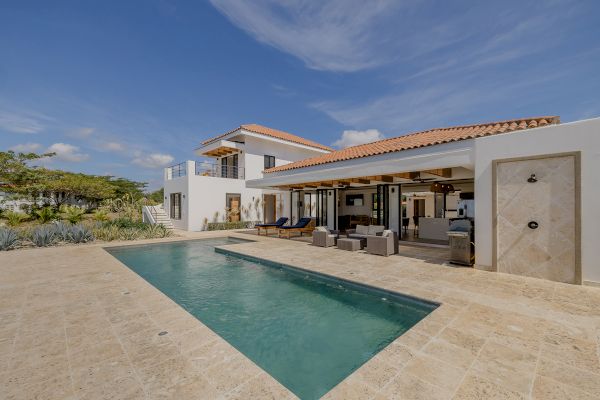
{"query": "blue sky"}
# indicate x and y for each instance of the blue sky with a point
(127, 87)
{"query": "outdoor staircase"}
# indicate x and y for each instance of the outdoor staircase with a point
(157, 215)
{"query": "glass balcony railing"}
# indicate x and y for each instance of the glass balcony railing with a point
(219, 171)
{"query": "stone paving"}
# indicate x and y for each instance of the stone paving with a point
(75, 323)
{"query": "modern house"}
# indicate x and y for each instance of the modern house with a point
(529, 189)
(199, 193)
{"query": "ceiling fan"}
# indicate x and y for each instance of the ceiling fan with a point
(418, 178)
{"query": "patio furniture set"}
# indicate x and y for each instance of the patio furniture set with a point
(375, 239)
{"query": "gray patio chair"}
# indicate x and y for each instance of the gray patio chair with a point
(322, 237)
(384, 245)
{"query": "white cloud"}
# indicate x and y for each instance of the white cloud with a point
(112, 146)
(353, 138)
(340, 35)
(154, 160)
(26, 148)
(81, 133)
(20, 123)
(67, 152)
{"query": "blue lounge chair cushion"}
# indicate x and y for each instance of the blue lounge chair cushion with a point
(277, 223)
(302, 223)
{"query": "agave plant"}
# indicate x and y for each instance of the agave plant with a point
(107, 233)
(80, 234)
(62, 231)
(129, 234)
(44, 236)
(14, 218)
(8, 239)
(73, 214)
(157, 231)
(45, 214)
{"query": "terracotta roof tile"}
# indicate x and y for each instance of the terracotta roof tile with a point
(274, 133)
(421, 139)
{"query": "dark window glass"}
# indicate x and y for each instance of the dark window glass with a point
(175, 205)
(269, 162)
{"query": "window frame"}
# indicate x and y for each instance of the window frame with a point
(269, 161)
(175, 206)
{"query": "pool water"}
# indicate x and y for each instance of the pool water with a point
(307, 332)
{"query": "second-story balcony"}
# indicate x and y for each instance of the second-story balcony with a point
(219, 171)
(203, 168)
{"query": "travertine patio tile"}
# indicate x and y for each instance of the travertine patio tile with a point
(582, 379)
(408, 386)
(80, 303)
(548, 389)
(435, 372)
(166, 374)
(194, 388)
(450, 353)
(474, 387)
(351, 388)
(505, 366)
(229, 374)
(574, 352)
(260, 387)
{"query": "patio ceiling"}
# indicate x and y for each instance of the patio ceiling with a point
(401, 177)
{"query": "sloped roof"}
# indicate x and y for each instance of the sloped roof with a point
(421, 139)
(274, 133)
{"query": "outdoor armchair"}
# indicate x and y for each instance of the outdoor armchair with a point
(384, 245)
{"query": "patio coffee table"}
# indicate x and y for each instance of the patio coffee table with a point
(349, 244)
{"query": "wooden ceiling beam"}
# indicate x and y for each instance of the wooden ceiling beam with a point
(362, 181)
(441, 172)
(382, 178)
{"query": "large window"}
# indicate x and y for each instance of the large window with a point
(374, 205)
(269, 161)
(175, 205)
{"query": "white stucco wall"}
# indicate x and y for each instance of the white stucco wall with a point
(202, 196)
(583, 136)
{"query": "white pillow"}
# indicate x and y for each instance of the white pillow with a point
(387, 233)
(362, 229)
(321, 229)
(375, 229)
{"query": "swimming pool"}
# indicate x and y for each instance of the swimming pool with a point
(306, 331)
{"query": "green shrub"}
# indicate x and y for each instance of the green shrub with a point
(14, 218)
(125, 222)
(130, 233)
(43, 236)
(108, 233)
(8, 239)
(73, 214)
(156, 231)
(80, 234)
(45, 214)
(100, 215)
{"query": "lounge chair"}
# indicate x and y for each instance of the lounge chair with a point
(384, 245)
(304, 225)
(278, 224)
(324, 237)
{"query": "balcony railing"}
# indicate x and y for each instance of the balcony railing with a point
(219, 171)
(178, 170)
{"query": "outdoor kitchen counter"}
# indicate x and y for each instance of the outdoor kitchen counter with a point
(434, 228)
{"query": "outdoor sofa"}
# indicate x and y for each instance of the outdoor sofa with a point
(304, 225)
(384, 245)
(363, 231)
(278, 224)
(324, 237)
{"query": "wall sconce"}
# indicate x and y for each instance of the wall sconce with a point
(532, 179)
(393, 190)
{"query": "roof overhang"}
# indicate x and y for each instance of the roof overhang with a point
(430, 161)
(220, 148)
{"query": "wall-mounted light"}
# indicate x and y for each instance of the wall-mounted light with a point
(532, 178)
(393, 190)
